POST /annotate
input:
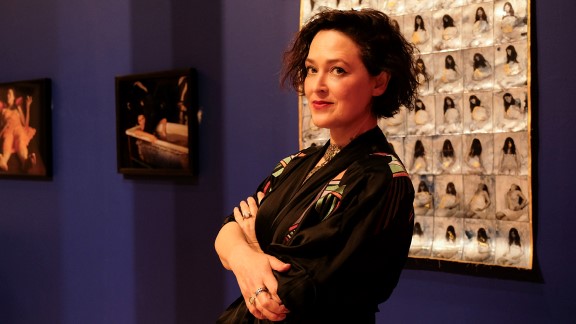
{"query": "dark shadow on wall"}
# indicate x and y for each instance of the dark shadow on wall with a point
(178, 278)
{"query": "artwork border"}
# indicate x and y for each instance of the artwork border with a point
(164, 96)
(495, 47)
(33, 103)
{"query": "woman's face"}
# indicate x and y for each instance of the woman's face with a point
(480, 11)
(10, 97)
(338, 86)
(141, 122)
(507, 8)
(508, 99)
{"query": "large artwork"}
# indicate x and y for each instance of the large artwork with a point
(467, 142)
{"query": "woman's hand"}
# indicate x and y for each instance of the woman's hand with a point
(245, 216)
(253, 268)
(253, 271)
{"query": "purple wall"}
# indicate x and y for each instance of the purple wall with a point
(92, 247)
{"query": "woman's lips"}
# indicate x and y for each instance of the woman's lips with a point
(320, 104)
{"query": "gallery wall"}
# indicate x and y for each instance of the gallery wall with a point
(89, 246)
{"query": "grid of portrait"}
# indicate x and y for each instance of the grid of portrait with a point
(467, 142)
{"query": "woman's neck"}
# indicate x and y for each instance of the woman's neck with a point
(342, 137)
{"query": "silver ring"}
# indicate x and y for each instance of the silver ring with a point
(246, 215)
(260, 290)
(252, 300)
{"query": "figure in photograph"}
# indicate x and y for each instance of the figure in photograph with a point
(417, 234)
(510, 160)
(450, 72)
(480, 249)
(421, 115)
(449, 204)
(511, 70)
(422, 77)
(419, 163)
(422, 119)
(481, 68)
(478, 112)
(512, 107)
(447, 157)
(512, 27)
(420, 34)
(515, 253)
(448, 248)
(15, 131)
(450, 34)
(481, 26)
(479, 203)
(512, 67)
(451, 116)
(423, 200)
(516, 205)
(353, 187)
(151, 120)
(474, 159)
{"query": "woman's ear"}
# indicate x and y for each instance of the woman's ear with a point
(381, 83)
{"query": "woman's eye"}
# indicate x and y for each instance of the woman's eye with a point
(310, 70)
(338, 70)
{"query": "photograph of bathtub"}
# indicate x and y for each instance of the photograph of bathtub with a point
(157, 124)
(169, 153)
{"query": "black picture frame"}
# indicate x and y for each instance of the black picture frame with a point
(168, 145)
(26, 129)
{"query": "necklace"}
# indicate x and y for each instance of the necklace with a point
(330, 153)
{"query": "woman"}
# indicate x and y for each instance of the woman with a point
(420, 35)
(423, 200)
(450, 36)
(474, 158)
(447, 157)
(449, 247)
(481, 68)
(509, 162)
(450, 73)
(512, 107)
(514, 254)
(482, 250)
(477, 111)
(421, 116)
(512, 66)
(419, 163)
(480, 23)
(479, 203)
(451, 113)
(449, 202)
(315, 231)
(422, 76)
(15, 131)
(516, 205)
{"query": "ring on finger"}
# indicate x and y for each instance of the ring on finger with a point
(246, 215)
(260, 290)
(252, 300)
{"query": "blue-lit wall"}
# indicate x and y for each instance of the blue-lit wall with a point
(92, 247)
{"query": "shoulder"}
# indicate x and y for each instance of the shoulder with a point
(283, 164)
(378, 167)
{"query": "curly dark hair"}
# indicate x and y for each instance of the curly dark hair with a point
(382, 48)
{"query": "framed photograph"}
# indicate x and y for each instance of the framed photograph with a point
(468, 142)
(157, 123)
(26, 129)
